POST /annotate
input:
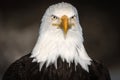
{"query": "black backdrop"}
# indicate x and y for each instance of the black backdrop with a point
(19, 27)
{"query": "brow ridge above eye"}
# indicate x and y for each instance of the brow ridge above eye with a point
(54, 17)
(73, 17)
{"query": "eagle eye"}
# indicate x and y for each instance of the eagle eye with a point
(53, 17)
(73, 17)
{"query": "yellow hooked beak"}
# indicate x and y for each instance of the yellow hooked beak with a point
(64, 24)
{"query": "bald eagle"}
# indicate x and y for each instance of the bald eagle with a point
(59, 53)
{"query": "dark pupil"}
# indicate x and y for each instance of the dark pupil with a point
(73, 17)
(54, 17)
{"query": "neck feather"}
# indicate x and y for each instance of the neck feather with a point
(52, 45)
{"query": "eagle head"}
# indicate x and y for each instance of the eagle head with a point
(60, 35)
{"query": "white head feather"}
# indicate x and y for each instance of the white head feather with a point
(52, 43)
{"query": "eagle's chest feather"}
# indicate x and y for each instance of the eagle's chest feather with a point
(64, 71)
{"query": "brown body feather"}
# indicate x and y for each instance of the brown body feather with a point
(25, 69)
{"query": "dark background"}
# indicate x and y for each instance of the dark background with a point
(19, 27)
